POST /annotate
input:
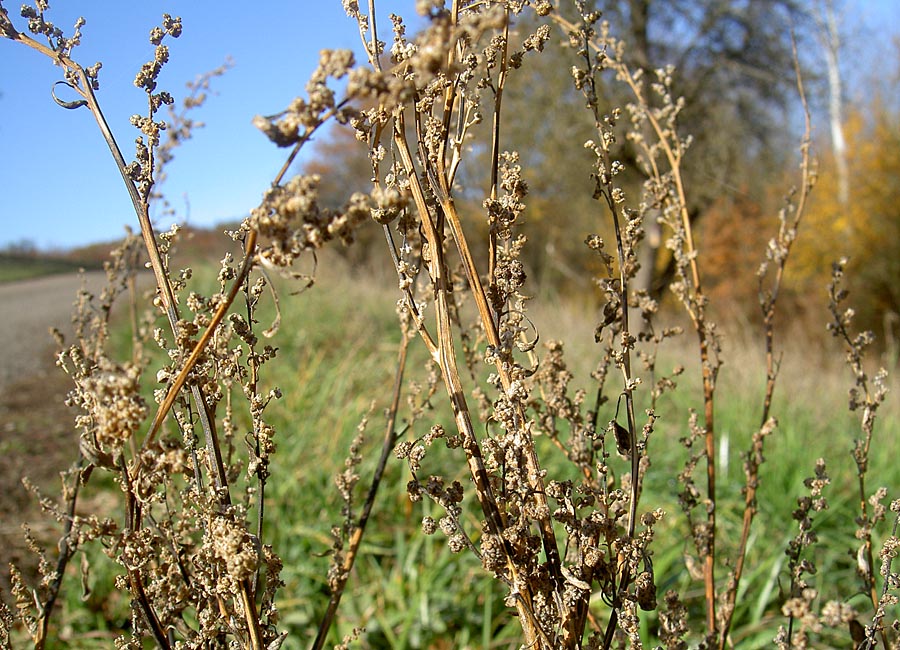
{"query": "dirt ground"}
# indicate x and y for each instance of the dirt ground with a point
(37, 437)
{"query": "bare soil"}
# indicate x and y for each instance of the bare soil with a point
(37, 436)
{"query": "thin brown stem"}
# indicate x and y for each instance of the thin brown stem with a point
(66, 550)
(495, 146)
(768, 301)
(136, 583)
(390, 441)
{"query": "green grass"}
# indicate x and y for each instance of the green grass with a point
(331, 372)
(337, 352)
(22, 267)
(813, 422)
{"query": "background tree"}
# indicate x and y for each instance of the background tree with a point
(734, 67)
(830, 37)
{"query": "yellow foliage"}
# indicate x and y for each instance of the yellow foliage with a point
(867, 228)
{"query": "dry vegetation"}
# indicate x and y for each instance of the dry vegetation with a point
(544, 478)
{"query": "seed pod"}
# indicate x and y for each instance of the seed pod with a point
(857, 633)
(623, 438)
(645, 591)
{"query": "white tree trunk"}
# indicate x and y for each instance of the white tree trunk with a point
(832, 42)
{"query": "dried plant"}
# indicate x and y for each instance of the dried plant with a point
(573, 548)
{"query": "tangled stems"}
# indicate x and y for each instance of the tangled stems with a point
(558, 546)
(84, 82)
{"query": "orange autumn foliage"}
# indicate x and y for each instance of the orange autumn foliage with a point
(866, 229)
(733, 235)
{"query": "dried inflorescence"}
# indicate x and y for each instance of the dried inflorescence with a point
(601, 525)
(799, 608)
(142, 170)
(866, 395)
(187, 555)
(115, 409)
(291, 222)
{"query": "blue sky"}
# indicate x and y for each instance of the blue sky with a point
(58, 184)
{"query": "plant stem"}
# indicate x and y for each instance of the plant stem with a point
(390, 441)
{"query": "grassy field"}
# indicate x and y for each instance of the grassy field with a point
(23, 267)
(337, 360)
